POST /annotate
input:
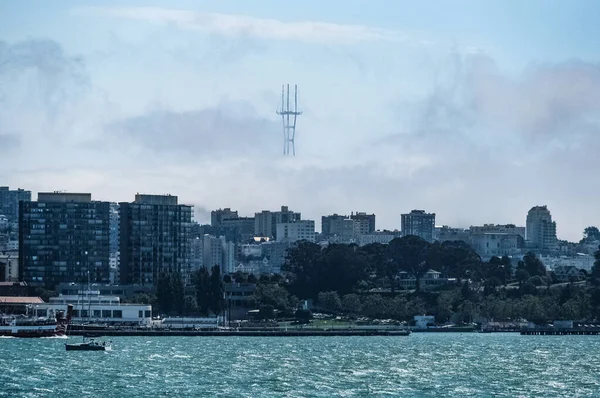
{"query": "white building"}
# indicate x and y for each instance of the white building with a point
(489, 244)
(228, 262)
(296, 231)
(90, 306)
(251, 250)
(377, 237)
(3, 222)
(540, 229)
(10, 263)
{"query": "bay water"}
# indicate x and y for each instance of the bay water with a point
(421, 365)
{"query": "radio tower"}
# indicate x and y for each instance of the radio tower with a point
(288, 117)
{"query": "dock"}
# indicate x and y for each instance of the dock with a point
(239, 333)
(560, 332)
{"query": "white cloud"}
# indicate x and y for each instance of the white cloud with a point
(243, 26)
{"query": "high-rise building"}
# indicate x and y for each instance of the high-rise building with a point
(540, 230)
(366, 222)
(114, 231)
(9, 202)
(154, 238)
(265, 222)
(419, 223)
(62, 237)
(332, 225)
(218, 216)
(239, 229)
(296, 231)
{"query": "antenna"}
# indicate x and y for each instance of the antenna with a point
(289, 123)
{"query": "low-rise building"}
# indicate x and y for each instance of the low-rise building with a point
(90, 306)
(429, 280)
(9, 268)
(568, 273)
(383, 238)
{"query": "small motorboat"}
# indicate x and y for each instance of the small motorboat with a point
(91, 345)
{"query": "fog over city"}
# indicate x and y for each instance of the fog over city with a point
(181, 99)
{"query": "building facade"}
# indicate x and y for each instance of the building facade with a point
(490, 244)
(419, 223)
(9, 202)
(62, 238)
(265, 222)
(218, 216)
(296, 231)
(154, 238)
(541, 230)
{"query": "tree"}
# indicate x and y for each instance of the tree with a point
(533, 265)
(164, 298)
(190, 306)
(177, 292)
(216, 290)
(272, 294)
(351, 304)
(303, 316)
(227, 279)
(596, 268)
(252, 279)
(203, 290)
(590, 234)
(330, 301)
(522, 275)
(143, 298)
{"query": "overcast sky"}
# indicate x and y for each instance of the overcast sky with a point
(474, 110)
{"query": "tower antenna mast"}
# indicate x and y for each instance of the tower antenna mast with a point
(288, 117)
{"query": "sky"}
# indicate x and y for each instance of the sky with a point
(474, 110)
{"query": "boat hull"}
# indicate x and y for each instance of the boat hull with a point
(31, 331)
(84, 347)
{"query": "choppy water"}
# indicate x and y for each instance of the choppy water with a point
(421, 365)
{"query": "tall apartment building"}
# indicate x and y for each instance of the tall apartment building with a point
(9, 202)
(419, 223)
(62, 237)
(154, 238)
(347, 228)
(540, 229)
(265, 222)
(218, 216)
(332, 225)
(114, 254)
(239, 229)
(296, 231)
(366, 222)
(219, 252)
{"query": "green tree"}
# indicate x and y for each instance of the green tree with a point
(272, 294)
(164, 298)
(216, 290)
(203, 290)
(330, 301)
(177, 288)
(252, 279)
(590, 234)
(596, 268)
(351, 304)
(533, 265)
(190, 306)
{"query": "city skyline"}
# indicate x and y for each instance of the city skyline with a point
(403, 108)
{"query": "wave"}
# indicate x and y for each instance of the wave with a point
(7, 337)
(55, 337)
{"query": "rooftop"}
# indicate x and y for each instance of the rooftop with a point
(20, 300)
